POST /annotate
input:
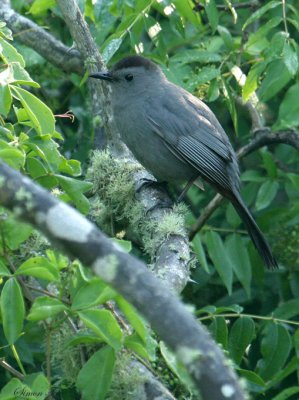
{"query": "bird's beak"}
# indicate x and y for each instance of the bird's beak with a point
(105, 76)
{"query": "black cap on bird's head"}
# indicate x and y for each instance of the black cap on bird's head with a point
(125, 63)
(134, 61)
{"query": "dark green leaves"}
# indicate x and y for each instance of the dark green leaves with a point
(241, 335)
(95, 377)
(104, 325)
(45, 307)
(5, 99)
(39, 114)
(266, 194)
(220, 258)
(276, 346)
(260, 12)
(12, 310)
(212, 13)
(288, 115)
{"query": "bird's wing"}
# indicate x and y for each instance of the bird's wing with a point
(196, 139)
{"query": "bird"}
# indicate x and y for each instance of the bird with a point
(176, 136)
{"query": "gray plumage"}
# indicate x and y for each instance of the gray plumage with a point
(175, 135)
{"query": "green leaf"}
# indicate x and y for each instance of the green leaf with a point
(288, 115)
(39, 267)
(134, 318)
(103, 324)
(40, 6)
(260, 12)
(35, 167)
(186, 10)
(176, 366)
(45, 307)
(241, 335)
(266, 194)
(251, 83)
(71, 167)
(81, 338)
(287, 310)
(95, 377)
(206, 74)
(5, 99)
(287, 393)
(13, 157)
(219, 331)
(39, 114)
(252, 175)
(290, 59)
(220, 258)
(212, 13)
(135, 343)
(257, 41)
(287, 370)
(38, 384)
(15, 232)
(90, 294)
(196, 55)
(9, 53)
(21, 76)
(200, 253)
(269, 164)
(239, 258)
(46, 149)
(4, 271)
(275, 348)
(12, 310)
(254, 382)
(75, 189)
(110, 49)
(226, 37)
(14, 386)
(126, 245)
(230, 100)
(277, 76)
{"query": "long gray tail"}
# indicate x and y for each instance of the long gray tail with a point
(254, 231)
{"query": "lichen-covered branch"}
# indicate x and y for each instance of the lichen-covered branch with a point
(168, 262)
(127, 201)
(32, 35)
(72, 233)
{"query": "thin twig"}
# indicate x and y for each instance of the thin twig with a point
(254, 4)
(284, 15)
(260, 317)
(11, 369)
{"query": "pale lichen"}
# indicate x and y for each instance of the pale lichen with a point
(106, 267)
(66, 223)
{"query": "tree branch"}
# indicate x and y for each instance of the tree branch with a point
(71, 232)
(32, 35)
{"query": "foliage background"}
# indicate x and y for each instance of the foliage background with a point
(209, 48)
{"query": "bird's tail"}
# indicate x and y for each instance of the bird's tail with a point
(255, 233)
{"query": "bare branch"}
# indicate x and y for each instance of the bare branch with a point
(257, 122)
(71, 232)
(11, 369)
(32, 35)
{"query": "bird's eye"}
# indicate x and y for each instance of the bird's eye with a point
(129, 77)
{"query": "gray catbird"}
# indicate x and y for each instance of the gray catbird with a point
(176, 136)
